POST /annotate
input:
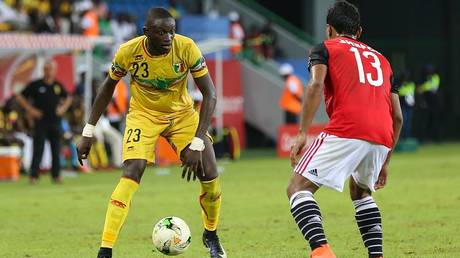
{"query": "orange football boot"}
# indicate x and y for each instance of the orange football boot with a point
(324, 251)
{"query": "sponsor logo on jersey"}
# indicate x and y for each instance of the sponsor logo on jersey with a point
(138, 58)
(313, 172)
(118, 203)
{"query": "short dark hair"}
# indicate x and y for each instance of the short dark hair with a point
(344, 17)
(157, 13)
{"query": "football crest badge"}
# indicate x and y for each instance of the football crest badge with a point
(179, 67)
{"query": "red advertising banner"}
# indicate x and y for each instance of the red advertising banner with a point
(287, 134)
(65, 72)
(233, 96)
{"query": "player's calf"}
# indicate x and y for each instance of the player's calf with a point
(307, 215)
(369, 222)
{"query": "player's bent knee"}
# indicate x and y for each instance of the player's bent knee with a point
(209, 166)
(294, 188)
(359, 195)
(300, 183)
(134, 169)
(210, 173)
(356, 192)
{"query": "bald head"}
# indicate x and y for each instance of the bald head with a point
(156, 13)
(160, 28)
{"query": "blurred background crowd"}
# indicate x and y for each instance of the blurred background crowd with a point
(265, 48)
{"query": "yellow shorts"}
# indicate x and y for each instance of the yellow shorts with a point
(142, 131)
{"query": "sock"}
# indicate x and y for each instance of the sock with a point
(105, 252)
(118, 208)
(210, 234)
(307, 215)
(370, 225)
(210, 201)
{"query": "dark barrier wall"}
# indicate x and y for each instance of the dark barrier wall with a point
(415, 33)
(411, 33)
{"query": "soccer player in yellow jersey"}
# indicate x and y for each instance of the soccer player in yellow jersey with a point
(159, 62)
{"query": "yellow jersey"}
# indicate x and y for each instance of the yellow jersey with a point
(159, 83)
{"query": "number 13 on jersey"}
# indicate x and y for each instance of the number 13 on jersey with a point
(374, 62)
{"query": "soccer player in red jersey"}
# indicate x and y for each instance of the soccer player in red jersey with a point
(365, 122)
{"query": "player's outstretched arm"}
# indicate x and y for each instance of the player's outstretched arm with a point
(192, 156)
(103, 98)
(397, 125)
(310, 104)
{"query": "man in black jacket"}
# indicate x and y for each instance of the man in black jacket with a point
(46, 101)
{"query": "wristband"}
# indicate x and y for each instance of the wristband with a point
(197, 144)
(88, 130)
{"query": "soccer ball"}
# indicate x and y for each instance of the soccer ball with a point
(171, 236)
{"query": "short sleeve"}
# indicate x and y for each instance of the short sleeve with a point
(318, 55)
(195, 61)
(119, 66)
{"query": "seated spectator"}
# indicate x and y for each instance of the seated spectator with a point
(13, 17)
(7, 118)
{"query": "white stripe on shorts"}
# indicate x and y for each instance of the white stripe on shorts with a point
(315, 144)
(308, 155)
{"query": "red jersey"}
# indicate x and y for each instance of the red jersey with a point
(358, 89)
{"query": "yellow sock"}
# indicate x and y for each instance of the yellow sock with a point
(210, 200)
(118, 208)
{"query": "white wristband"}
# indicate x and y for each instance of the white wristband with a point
(88, 130)
(197, 144)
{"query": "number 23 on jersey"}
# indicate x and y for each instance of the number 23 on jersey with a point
(143, 67)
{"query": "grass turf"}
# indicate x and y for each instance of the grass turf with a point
(420, 206)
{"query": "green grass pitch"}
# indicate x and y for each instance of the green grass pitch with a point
(420, 206)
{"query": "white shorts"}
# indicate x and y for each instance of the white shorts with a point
(330, 160)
